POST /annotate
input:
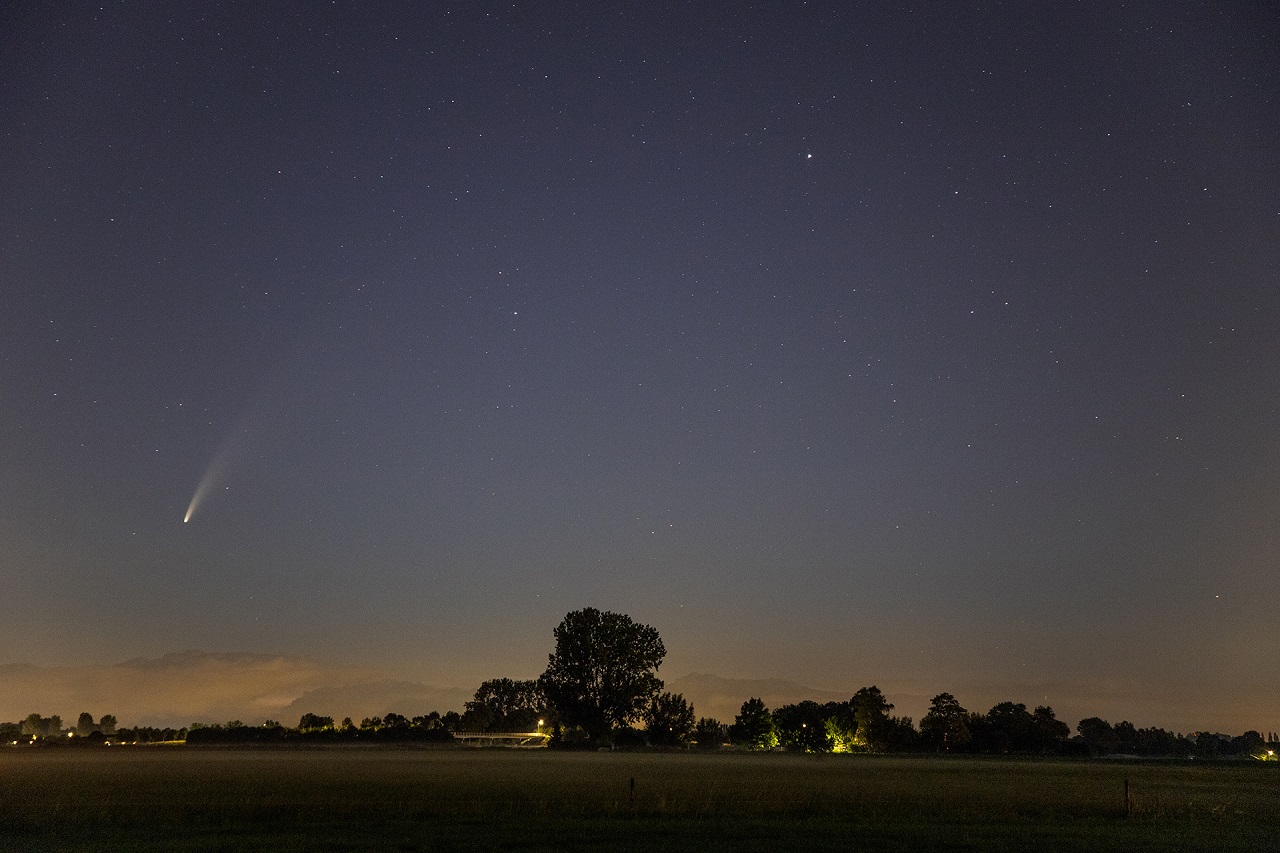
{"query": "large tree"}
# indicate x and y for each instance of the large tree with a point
(602, 673)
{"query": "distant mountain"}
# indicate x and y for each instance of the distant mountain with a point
(376, 699)
(210, 687)
(193, 686)
(722, 698)
(180, 688)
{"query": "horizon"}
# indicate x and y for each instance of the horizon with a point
(266, 686)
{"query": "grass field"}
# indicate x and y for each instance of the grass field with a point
(182, 798)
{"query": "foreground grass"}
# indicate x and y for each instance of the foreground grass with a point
(179, 798)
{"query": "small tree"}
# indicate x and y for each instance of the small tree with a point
(1126, 736)
(945, 726)
(1050, 732)
(901, 734)
(871, 715)
(38, 726)
(504, 705)
(669, 720)
(709, 733)
(1098, 735)
(602, 673)
(1012, 728)
(803, 727)
(427, 722)
(314, 723)
(478, 718)
(754, 727)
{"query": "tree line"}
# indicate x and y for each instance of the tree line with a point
(601, 689)
(38, 727)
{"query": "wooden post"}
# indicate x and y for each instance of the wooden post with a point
(1128, 802)
(631, 798)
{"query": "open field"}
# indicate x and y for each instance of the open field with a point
(182, 798)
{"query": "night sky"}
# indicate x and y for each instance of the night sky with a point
(931, 345)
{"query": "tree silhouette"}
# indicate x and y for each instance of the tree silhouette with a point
(602, 673)
(669, 720)
(946, 725)
(871, 715)
(754, 727)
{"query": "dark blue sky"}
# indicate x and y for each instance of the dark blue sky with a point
(924, 344)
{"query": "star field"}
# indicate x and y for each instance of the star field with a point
(852, 342)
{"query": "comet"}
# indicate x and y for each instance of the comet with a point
(265, 413)
(248, 428)
(202, 490)
(214, 472)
